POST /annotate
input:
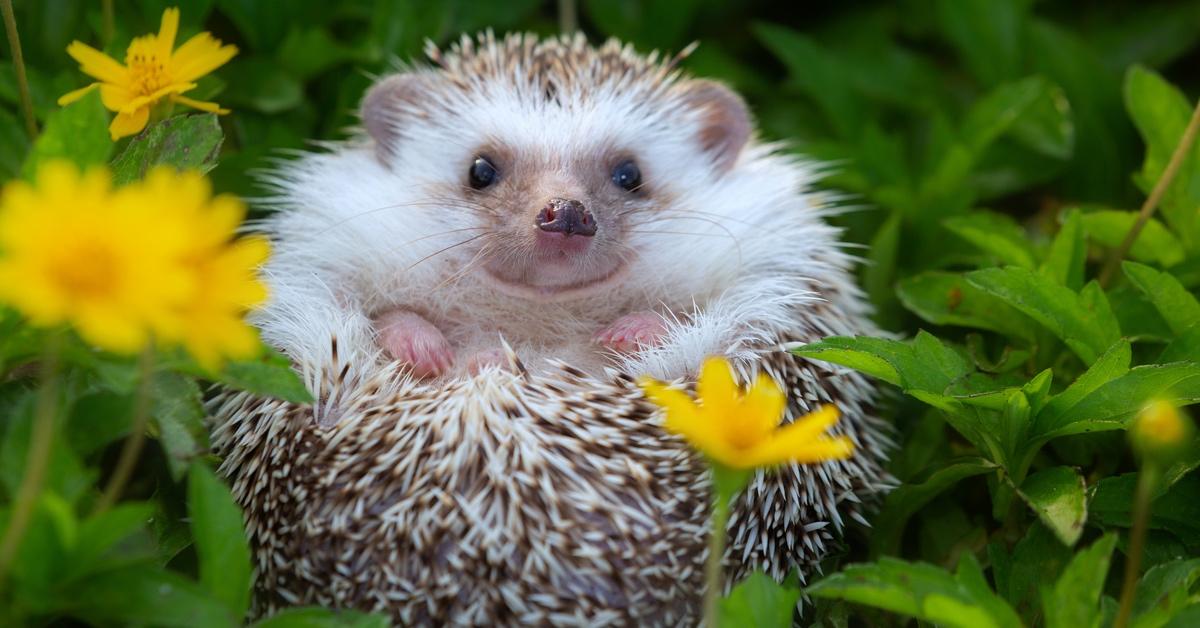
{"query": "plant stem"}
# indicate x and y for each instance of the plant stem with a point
(38, 458)
(713, 582)
(14, 44)
(568, 17)
(108, 25)
(1147, 479)
(132, 449)
(1156, 194)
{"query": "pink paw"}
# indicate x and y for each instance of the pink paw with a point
(409, 338)
(632, 332)
(487, 359)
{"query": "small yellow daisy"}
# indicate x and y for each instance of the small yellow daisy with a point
(74, 250)
(154, 259)
(153, 70)
(740, 429)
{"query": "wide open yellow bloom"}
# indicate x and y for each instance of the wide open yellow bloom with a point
(740, 429)
(154, 259)
(153, 70)
(74, 250)
(209, 323)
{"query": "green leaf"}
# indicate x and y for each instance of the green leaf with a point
(878, 277)
(185, 142)
(819, 73)
(1057, 496)
(1074, 601)
(1176, 511)
(1163, 592)
(66, 474)
(996, 234)
(322, 618)
(1178, 307)
(760, 601)
(1154, 244)
(1110, 406)
(918, 590)
(221, 545)
(77, 133)
(1034, 109)
(144, 595)
(1161, 112)
(1037, 560)
(256, 82)
(1113, 364)
(15, 141)
(1083, 321)
(923, 364)
(98, 419)
(910, 497)
(1065, 261)
(101, 535)
(271, 376)
(179, 419)
(1185, 347)
(986, 35)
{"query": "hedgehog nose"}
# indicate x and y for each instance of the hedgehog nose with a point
(567, 217)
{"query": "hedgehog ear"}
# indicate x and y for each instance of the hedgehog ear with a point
(724, 121)
(387, 105)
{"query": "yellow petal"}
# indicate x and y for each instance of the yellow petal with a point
(115, 97)
(198, 56)
(167, 31)
(680, 409)
(803, 441)
(128, 123)
(210, 107)
(72, 96)
(716, 389)
(763, 405)
(145, 101)
(97, 64)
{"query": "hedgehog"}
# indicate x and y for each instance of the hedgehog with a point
(470, 287)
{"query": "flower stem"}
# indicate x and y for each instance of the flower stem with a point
(38, 457)
(568, 16)
(132, 449)
(108, 25)
(1147, 480)
(1156, 194)
(713, 581)
(14, 44)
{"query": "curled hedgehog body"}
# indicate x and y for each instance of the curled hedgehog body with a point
(539, 489)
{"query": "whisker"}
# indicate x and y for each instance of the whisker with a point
(443, 250)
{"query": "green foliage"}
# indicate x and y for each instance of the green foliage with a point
(1000, 150)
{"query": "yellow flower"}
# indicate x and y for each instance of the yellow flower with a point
(153, 70)
(153, 259)
(210, 324)
(74, 250)
(740, 429)
(1160, 432)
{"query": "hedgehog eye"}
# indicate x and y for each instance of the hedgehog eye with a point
(482, 173)
(627, 176)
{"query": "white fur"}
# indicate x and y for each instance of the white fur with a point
(734, 256)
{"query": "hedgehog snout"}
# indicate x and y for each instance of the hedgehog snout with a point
(568, 217)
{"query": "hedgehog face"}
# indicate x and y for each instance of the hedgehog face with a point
(560, 163)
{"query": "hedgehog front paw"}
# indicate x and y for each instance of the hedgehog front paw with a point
(409, 338)
(632, 332)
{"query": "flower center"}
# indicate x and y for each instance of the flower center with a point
(147, 68)
(89, 273)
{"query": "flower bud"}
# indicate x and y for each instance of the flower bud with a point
(1161, 433)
